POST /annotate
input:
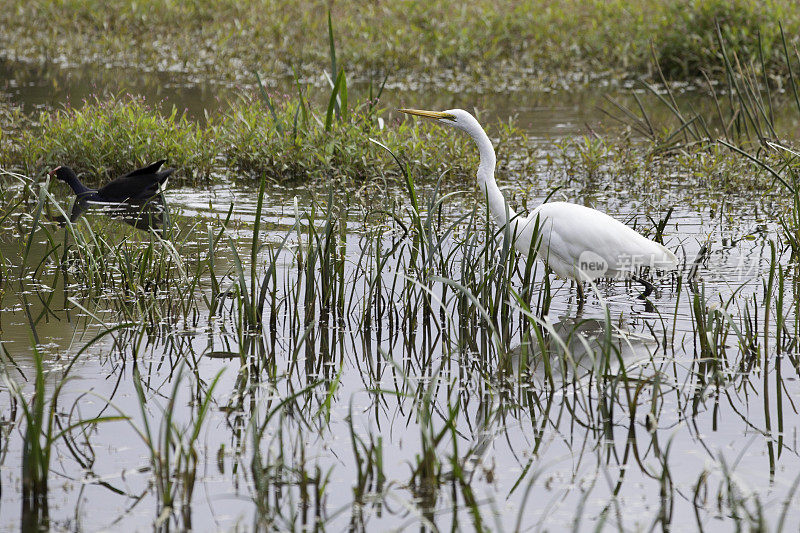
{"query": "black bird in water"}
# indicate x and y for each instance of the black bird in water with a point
(141, 184)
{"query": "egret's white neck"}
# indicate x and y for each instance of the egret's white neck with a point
(501, 211)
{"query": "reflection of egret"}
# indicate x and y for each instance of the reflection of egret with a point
(578, 347)
(575, 241)
(577, 350)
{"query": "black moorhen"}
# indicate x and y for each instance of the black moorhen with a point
(140, 184)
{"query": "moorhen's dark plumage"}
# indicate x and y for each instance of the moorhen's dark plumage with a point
(140, 184)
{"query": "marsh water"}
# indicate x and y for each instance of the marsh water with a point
(545, 113)
(387, 402)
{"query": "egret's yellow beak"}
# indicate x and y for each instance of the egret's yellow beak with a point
(435, 115)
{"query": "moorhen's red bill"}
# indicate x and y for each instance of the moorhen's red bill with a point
(140, 184)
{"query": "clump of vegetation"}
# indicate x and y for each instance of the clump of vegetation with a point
(44, 425)
(298, 143)
(686, 42)
(173, 448)
(118, 133)
(112, 135)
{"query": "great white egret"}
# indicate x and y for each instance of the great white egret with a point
(574, 241)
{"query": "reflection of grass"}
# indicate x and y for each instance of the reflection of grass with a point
(173, 448)
(44, 426)
(228, 38)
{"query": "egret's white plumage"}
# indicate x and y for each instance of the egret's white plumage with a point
(575, 241)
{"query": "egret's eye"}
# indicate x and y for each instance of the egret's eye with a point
(451, 118)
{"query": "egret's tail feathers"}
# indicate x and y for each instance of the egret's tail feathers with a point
(667, 261)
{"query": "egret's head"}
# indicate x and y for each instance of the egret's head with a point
(457, 118)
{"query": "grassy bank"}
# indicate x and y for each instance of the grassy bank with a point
(494, 43)
(107, 137)
(114, 134)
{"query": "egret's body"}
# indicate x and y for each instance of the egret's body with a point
(568, 231)
(574, 241)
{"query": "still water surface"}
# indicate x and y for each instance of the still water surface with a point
(535, 458)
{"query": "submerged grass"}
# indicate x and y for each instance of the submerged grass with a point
(44, 425)
(173, 450)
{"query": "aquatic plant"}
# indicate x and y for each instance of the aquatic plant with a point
(43, 427)
(173, 449)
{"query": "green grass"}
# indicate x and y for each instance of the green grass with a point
(173, 447)
(493, 43)
(110, 136)
(113, 135)
(107, 137)
(44, 426)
